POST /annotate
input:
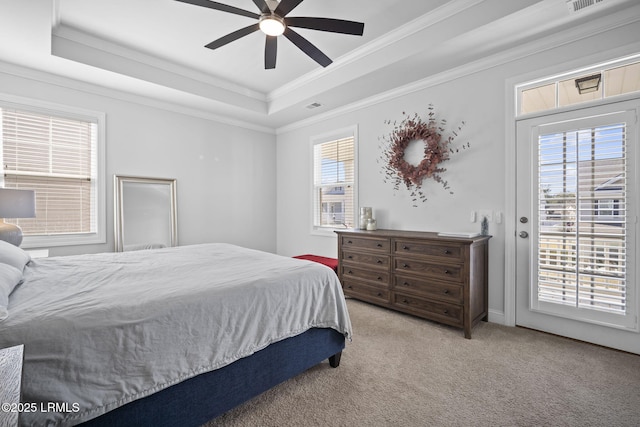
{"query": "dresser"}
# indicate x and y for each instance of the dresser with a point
(444, 279)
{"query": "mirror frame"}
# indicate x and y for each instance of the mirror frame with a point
(119, 182)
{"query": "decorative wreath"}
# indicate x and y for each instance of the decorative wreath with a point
(436, 150)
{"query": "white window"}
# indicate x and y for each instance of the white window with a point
(334, 180)
(599, 82)
(59, 153)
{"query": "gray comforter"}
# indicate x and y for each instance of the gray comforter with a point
(106, 329)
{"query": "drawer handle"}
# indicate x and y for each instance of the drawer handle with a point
(379, 278)
(406, 284)
(405, 265)
(379, 261)
(379, 294)
(447, 252)
(379, 245)
(349, 272)
(447, 272)
(446, 291)
(350, 287)
(446, 312)
(406, 248)
(349, 242)
(406, 301)
(350, 257)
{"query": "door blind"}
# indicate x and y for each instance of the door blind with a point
(582, 203)
(55, 156)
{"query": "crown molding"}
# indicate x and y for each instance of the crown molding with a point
(62, 32)
(435, 16)
(589, 29)
(262, 119)
(90, 88)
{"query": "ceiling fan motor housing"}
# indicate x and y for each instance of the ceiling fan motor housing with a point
(272, 4)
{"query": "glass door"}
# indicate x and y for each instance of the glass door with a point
(577, 212)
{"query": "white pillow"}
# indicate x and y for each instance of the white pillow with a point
(10, 277)
(13, 255)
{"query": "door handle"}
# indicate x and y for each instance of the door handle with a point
(524, 234)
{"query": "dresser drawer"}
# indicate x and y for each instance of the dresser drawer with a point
(365, 273)
(366, 243)
(431, 289)
(443, 279)
(429, 268)
(373, 260)
(442, 250)
(360, 290)
(451, 313)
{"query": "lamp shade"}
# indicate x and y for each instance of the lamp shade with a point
(17, 203)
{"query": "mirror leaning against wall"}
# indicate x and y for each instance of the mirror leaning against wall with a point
(145, 213)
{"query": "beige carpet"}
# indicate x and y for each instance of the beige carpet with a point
(403, 371)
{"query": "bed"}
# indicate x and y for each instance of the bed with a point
(172, 336)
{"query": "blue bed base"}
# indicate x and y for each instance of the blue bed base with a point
(197, 400)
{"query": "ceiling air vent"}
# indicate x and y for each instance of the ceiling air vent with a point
(314, 105)
(578, 5)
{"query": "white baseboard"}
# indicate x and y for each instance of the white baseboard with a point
(497, 317)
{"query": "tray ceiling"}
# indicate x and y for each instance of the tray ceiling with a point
(155, 48)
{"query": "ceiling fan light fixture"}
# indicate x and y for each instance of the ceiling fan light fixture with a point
(272, 25)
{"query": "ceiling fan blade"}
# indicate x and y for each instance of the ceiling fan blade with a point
(262, 5)
(270, 52)
(327, 24)
(306, 46)
(223, 7)
(233, 36)
(286, 6)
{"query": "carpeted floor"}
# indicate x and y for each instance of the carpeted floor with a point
(403, 371)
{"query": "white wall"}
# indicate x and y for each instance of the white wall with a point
(476, 176)
(226, 185)
(229, 176)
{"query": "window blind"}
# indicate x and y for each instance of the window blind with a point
(582, 258)
(334, 178)
(56, 157)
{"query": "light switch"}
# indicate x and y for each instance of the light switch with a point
(473, 217)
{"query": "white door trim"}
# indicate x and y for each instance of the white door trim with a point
(510, 102)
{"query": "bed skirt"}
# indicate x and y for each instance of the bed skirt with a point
(206, 396)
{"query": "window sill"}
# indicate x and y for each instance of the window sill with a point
(38, 253)
(30, 242)
(325, 232)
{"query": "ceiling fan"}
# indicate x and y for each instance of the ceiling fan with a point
(273, 22)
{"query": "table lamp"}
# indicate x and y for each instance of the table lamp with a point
(15, 204)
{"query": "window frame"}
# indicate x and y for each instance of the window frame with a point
(576, 72)
(60, 110)
(346, 132)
